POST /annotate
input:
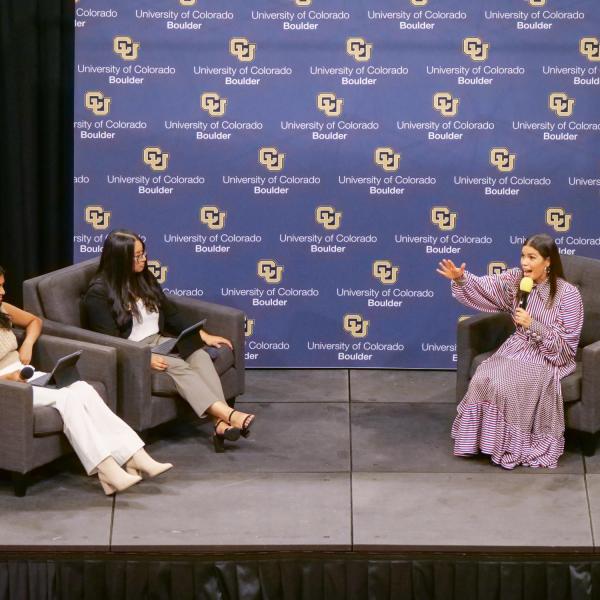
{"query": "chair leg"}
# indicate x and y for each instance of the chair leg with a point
(588, 442)
(20, 482)
(231, 402)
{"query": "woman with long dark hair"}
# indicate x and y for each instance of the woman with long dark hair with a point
(513, 408)
(125, 300)
(105, 444)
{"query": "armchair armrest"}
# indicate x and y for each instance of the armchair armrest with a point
(475, 335)
(585, 414)
(133, 370)
(222, 320)
(16, 426)
(97, 363)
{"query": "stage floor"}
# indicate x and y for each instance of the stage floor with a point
(338, 460)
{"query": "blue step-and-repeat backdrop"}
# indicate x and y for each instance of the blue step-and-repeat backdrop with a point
(311, 161)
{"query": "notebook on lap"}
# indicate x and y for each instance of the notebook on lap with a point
(62, 375)
(187, 342)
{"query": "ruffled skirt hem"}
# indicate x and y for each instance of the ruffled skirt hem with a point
(479, 427)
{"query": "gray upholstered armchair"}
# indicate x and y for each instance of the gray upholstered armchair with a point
(479, 337)
(33, 436)
(146, 398)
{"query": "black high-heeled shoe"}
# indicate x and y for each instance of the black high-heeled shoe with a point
(231, 434)
(245, 429)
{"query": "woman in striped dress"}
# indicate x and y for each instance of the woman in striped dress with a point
(513, 409)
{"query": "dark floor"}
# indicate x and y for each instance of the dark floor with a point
(348, 460)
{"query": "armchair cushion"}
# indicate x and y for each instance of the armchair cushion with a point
(46, 421)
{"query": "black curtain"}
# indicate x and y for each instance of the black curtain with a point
(301, 578)
(36, 138)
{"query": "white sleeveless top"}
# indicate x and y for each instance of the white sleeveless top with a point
(8, 346)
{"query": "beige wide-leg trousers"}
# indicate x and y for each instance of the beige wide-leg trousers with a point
(195, 378)
(94, 431)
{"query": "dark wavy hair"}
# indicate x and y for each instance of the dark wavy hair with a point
(546, 246)
(5, 322)
(125, 286)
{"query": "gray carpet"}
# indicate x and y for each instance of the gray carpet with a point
(336, 460)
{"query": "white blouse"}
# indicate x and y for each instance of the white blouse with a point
(145, 325)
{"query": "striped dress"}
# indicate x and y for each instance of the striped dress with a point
(513, 409)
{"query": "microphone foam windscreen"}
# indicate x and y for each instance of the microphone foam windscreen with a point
(526, 285)
(26, 372)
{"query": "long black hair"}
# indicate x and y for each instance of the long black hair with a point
(5, 322)
(125, 286)
(546, 246)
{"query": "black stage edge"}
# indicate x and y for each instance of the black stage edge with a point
(306, 576)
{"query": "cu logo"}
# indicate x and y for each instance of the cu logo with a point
(385, 271)
(213, 104)
(125, 47)
(537, 2)
(445, 104)
(248, 326)
(212, 217)
(159, 271)
(271, 159)
(475, 48)
(329, 104)
(155, 158)
(187, 2)
(328, 217)
(303, 2)
(358, 49)
(98, 103)
(387, 159)
(242, 49)
(444, 218)
(356, 326)
(97, 217)
(496, 267)
(502, 159)
(561, 104)
(419, 2)
(270, 271)
(558, 219)
(590, 48)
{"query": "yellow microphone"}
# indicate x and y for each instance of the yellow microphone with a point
(525, 286)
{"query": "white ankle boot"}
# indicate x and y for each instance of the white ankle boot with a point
(113, 478)
(142, 462)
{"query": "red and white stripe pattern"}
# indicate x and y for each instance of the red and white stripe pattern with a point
(513, 408)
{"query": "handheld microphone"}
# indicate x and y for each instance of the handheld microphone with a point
(525, 286)
(26, 372)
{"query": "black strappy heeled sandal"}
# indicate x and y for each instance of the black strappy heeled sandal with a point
(231, 434)
(245, 429)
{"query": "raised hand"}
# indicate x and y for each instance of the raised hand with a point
(449, 270)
